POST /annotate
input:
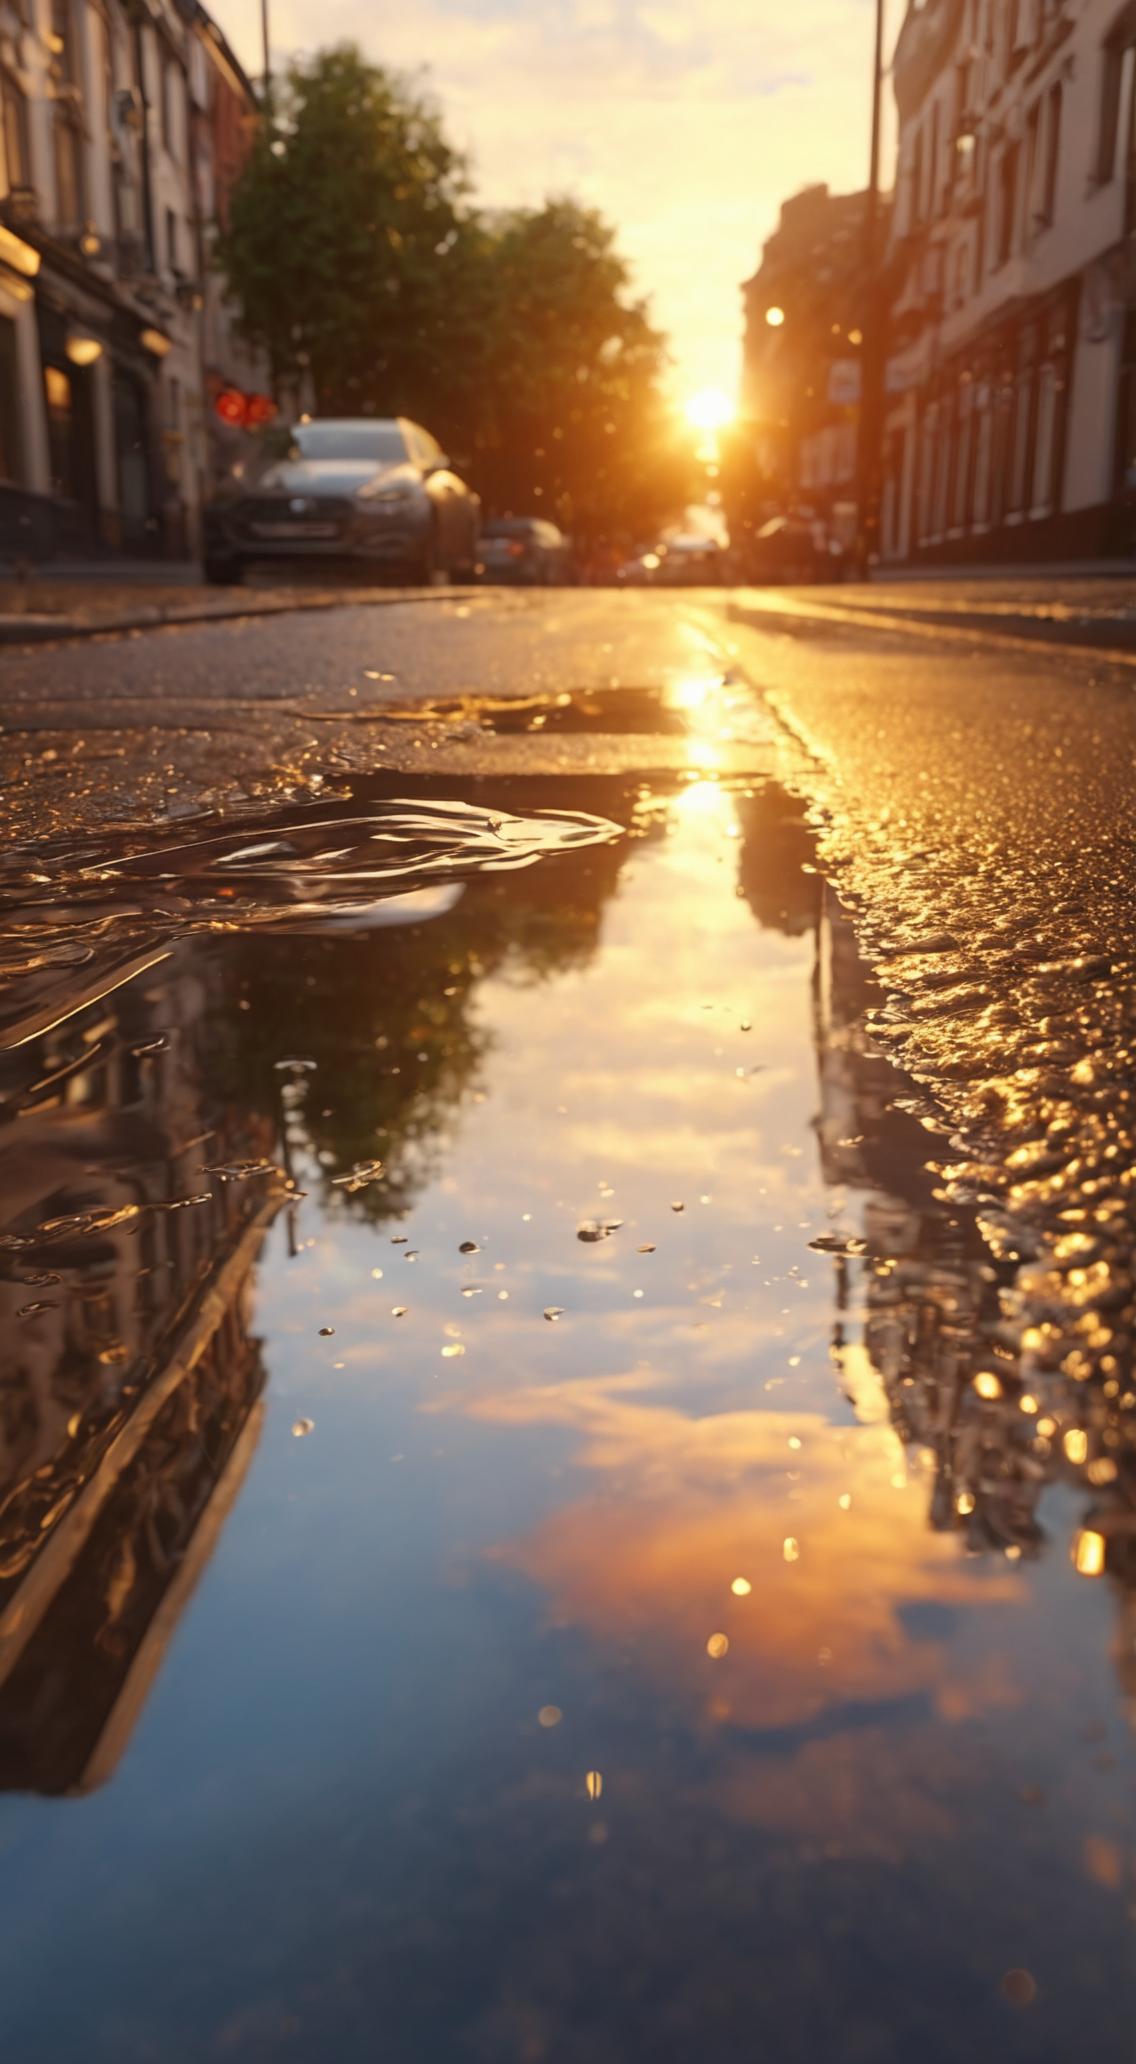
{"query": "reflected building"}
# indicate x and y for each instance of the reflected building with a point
(929, 1330)
(128, 1379)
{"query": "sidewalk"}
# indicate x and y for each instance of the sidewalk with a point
(1088, 615)
(59, 606)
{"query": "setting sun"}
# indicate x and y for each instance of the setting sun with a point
(710, 409)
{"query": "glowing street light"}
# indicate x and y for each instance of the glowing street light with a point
(710, 409)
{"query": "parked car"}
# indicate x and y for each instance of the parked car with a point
(377, 493)
(525, 549)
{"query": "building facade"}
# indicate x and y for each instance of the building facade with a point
(1010, 422)
(801, 355)
(122, 126)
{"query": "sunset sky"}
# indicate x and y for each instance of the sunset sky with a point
(686, 125)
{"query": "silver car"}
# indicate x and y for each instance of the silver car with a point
(374, 492)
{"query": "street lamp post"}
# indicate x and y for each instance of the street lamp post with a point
(873, 325)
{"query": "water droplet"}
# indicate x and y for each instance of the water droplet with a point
(471, 1290)
(28, 1311)
(1020, 1987)
(717, 1645)
(326, 1332)
(791, 1549)
(678, 1207)
(844, 1501)
(399, 1239)
(502, 1297)
(399, 1311)
(636, 1293)
(357, 1178)
(240, 1171)
(648, 1247)
(454, 1349)
(593, 1784)
(593, 1229)
(550, 1716)
(554, 1312)
(794, 1442)
(303, 1426)
(746, 1025)
(741, 1587)
(376, 1275)
(987, 1384)
(469, 1247)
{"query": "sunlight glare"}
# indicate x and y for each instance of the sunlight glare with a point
(710, 409)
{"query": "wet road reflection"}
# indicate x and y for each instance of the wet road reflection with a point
(635, 1615)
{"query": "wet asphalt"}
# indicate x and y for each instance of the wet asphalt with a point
(972, 791)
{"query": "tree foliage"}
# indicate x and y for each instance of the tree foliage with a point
(358, 259)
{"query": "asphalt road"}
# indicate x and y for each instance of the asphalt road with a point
(973, 791)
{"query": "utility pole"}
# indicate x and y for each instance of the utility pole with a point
(868, 454)
(267, 89)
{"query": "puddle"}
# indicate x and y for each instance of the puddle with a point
(521, 1522)
(665, 712)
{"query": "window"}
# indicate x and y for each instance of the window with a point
(1020, 448)
(11, 467)
(57, 393)
(1052, 154)
(170, 113)
(1033, 133)
(1116, 86)
(1045, 442)
(68, 167)
(350, 440)
(983, 458)
(1007, 201)
(933, 195)
(960, 495)
(14, 109)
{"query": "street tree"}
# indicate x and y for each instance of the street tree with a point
(359, 260)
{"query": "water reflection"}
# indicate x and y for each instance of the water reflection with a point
(778, 1571)
(128, 1383)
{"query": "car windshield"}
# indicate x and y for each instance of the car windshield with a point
(377, 442)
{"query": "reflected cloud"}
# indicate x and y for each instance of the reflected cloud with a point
(687, 1504)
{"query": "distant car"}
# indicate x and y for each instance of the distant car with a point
(375, 492)
(792, 550)
(525, 549)
(640, 571)
(690, 562)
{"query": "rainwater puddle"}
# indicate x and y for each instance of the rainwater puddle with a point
(505, 1552)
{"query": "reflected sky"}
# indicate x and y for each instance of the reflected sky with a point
(603, 1685)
